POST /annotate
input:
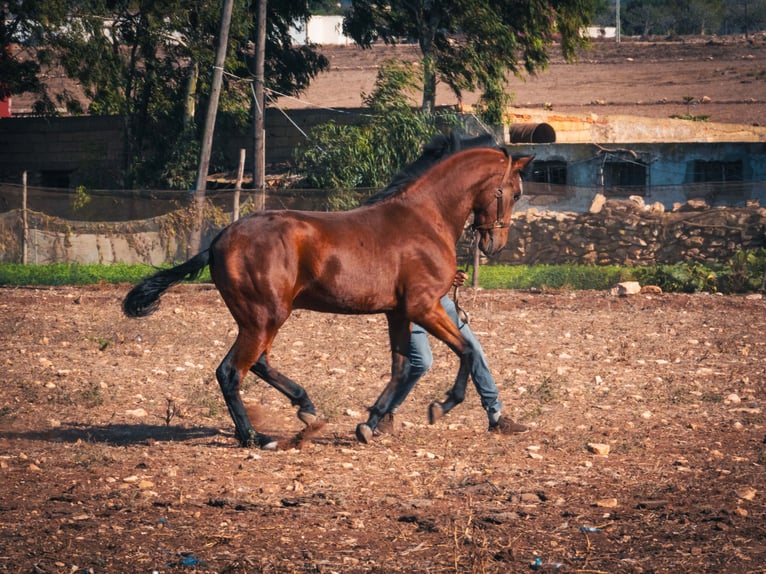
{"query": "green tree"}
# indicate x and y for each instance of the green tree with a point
(684, 17)
(150, 63)
(744, 16)
(341, 157)
(473, 44)
(21, 34)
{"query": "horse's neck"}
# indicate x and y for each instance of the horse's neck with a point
(453, 187)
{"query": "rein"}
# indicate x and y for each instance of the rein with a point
(463, 316)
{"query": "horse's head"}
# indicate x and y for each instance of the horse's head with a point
(492, 214)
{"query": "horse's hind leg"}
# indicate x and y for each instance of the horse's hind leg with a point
(292, 390)
(230, 373)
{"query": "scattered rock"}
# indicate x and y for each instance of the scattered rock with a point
(599, 448)
(746, 493)
(598, 203)
(628, 288)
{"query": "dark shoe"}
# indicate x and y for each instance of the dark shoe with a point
(386, 425)
(507, 426)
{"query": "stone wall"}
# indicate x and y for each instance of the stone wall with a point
(624, 232)
(627, 232)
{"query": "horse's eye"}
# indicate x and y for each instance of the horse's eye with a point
(517, 196)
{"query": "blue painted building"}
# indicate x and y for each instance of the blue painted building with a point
(566, 177)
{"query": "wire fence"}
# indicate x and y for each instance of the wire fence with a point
(43, 225)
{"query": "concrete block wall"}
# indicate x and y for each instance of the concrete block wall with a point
(89, 148)
(283, 134)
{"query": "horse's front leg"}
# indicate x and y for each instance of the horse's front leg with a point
(399, 336)
(292, 390)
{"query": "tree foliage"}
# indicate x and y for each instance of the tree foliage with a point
(151, 63)
(473, 44)
(341, 157)
(686, 17)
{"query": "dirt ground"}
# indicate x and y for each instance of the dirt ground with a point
(725, 77)
(117, 454)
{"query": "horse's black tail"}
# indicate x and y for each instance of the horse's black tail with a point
(144, 298)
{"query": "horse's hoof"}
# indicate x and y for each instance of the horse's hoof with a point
(435, 412)
(363, 433)
(307, 418)
(271, 445)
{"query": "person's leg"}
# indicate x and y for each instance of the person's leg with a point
(420, 359)
(480, 374)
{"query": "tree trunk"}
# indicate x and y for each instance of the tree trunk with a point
(190, 95)
(428, 23)
(195, 241)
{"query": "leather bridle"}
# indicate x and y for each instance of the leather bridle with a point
(500, 211)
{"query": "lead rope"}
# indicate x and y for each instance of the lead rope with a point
(463, 317)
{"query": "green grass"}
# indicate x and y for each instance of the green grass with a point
(16, 274)
(568, 276)
(744, 272)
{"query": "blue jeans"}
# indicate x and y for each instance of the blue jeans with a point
(421, 359)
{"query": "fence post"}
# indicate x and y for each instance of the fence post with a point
(238, 186)
(476, 263)
(24, 223)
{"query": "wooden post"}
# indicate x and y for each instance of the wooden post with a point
(24, 222)
(259, 111)
(238, 185)
(195, 240)
(476, 263)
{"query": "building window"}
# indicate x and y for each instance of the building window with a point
(622, 178)
(550, 172)
(715, 171)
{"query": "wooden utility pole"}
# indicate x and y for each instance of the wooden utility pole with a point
(259, 134)
(195, 240)
(238, 185)
(24, 222)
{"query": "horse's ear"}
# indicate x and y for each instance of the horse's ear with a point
(522, 163)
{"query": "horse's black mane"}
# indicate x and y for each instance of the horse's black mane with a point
(439, 148)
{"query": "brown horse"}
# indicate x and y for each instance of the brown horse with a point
(395, 256)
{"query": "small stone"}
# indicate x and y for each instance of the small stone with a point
(598, 203)
(607, 503)
(599, 448)
(628, 288)
(529, 498)
(733, 398)
(746, 493)
(138, 413)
